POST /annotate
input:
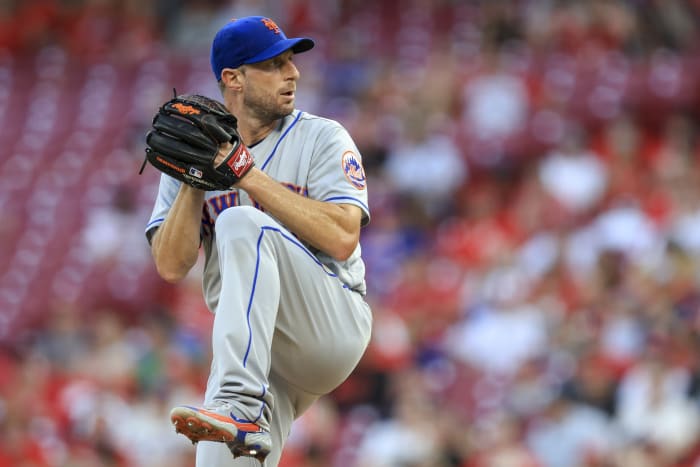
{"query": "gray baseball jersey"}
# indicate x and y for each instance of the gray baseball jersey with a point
(290, 322)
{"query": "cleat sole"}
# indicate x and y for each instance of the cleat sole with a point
(197, 430)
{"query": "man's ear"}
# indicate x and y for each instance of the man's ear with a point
(231, 78)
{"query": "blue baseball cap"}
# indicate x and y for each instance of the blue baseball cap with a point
(249, 40)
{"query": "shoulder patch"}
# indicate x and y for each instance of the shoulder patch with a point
(353, 170)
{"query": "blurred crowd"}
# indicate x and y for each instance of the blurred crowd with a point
(532, 258)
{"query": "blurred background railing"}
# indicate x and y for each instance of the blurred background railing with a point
(532, 259)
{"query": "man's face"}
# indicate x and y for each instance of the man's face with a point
(270, 87)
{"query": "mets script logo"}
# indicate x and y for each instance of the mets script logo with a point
(354, 172)
(271, 25)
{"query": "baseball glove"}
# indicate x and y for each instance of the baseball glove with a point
(185, 138)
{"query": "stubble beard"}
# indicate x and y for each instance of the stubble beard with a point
(265, 109)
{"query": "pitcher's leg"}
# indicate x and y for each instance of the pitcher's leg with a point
(245, 317)
(321, 328)
(211, 454)
(239, 403)
(280, 312)
(290, 403)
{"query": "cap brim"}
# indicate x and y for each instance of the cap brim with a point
(297, 45)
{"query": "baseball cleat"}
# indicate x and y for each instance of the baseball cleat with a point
(242, 438)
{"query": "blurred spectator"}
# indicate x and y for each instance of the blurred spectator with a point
(654, 407)
(498, 441)
(503, 331)
(409, 437)
(426, 164)
(113, 233)
(573, 176)
(495, 108)
(571, 433)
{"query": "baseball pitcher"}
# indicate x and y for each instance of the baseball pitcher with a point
(276, 197)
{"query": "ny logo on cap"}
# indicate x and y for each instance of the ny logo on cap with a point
(271, 25)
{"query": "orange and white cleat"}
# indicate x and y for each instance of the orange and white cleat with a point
(243, 438)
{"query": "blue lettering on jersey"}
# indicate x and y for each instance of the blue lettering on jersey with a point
(214, 205)
(223, 201)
